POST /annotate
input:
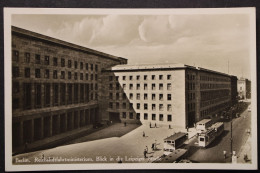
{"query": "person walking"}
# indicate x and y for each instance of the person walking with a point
(225, 154)
(143, 134)
(153, 146)
(146, 149)
(155, 125)
(145, 152)
(150, 125)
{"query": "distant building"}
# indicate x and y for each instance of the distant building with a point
(234, 93)
(244, 88)
(171, 94)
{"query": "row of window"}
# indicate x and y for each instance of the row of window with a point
(138, 96)
(209, 78)
(153, 117)
(138, 86)
(213, 86)
(46, 61)
(214, 109)
(160, 107)
(210, 95)
(27, 74)
(138, 77)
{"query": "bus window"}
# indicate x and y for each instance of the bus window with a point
(202, 139)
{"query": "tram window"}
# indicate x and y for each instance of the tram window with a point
(201, 139)
(168, 141)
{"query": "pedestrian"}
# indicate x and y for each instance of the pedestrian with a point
(224, 153)
(150, 125)
(111, 122)
(245, 157)
(169, 126)
(125, 123)
(153, 146)
(145, 152)
(143, 134)
(155, 125)
(146, 149)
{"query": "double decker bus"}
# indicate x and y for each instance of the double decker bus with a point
(203, 125)
(205, 138)
(174, 142)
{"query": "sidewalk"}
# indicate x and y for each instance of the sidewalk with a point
(245, 149)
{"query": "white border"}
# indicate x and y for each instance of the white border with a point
(8, 110)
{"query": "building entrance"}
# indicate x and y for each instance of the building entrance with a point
(114, 116)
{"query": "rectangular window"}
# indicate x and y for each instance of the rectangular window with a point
(96, 77)
(153, 86)
(55, 74)
(70, 93)
(161, 107)
(91, 67)
(137, 105)
(153, 77)
(110, 78)
(130, 96)
(124, 115)
(153, 116)
(92, 77)
(160, 77)
(153, 97)
(124, 96)
(62, 62)
(62, 76)
(138, 77)
(117, 86)
(131, 115)
(15, 56)
(69, 63)
(15, 103)
(86, 66)
(55, 61)
(38, 94)
(75, 75)
(123, 77)
(138, 96)
(117, 105)
(81, 65)
(110, 95)
(145, 96)
(145, 116)
(169, 97)
(96, 67)
(37, 73)
(138, 86)
(169, 77)
(161, 97)
(55, 94)
(160, 86)
(75, 64)
(37, 59)
(138, 116)
(76, 93)
(47, 94)
(169, 107)
(111, 105)
(169, 117)
(145, 106)
(27, 57)
(131, 86)
(96, 86)
(161, 117)
(117, 96)
(145, 86)
(16, 87)
(145, 77)
(153, 107)
(27, 95)
(124, 105)
(130, 77)
(47, 74)
(46, 60)
(69, 75)
(81, 76)
(169, 86)
(27, 73)
(86, 76)
(124, 86)
(111, 86)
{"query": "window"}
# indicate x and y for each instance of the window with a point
(37, 73)
(81, 65)
(76, 93)
(153, 86)
(145, 86)
(153, 107)
(37, 59)
(27, 95)
(62, 76)
(153, 97)
(110, 95)
(75, 64)
(169, 77)
(131, 86)
(138, 86)
(130, 96)
(161, 107)
(161, 97)
(130, 77)
(81, 76)
(70, 93)
(110, 78)
(137, 105)
(47, 74)
(38, 95)
(117, 105)
(111, 105)
(169, 97)
(117, 86)
(153, 77)
(92, 77)
(47, 94)
(131, 115)
(124, 86)
(91, 86)
(46, 60)
(55, 94)
(55, 74)
(138, 96)
(145, 116)
(69, 75)
(55, 61)
(16, 87)
(169, 86)
(82, 92)
(86, 66)
(160, 86)
(124, 105)
(86, 76)
(117, 96)
(160, 77)
(145, 77)
(169, 107)
(15, 103)
(161, 117)
(145, 106)
(111, 86)
(138, 116)
(96, 77)
(91, 67)
(123, 77)
(15, 56)
(153, 116)
(145, 96)
(169, 117)
(96, 67)
(27, 57)
(69, 63)
(62, 62)
(75, 75)
(124, 96)
(96, 86)
(27, 73)
(124, 115)
(138, 77)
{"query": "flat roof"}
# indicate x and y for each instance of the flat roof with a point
(204, 121)
(175, 136)
(44, 38)
(175, 155)
(217, 124)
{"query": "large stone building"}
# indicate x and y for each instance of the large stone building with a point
(55, 85)
(169, 94)
(244, 88)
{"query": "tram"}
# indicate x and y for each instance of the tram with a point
(174, 142)
(203, 125)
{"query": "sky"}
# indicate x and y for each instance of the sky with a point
(206, 40)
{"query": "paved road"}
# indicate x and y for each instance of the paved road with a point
(214, 152)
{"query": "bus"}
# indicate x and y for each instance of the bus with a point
(203, 125)
(174, 142)
(206, 137)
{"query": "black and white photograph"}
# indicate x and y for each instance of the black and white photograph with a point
(130, 88)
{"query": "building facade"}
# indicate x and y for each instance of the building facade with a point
(55, 86)
(174, 94)
(244, 88)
